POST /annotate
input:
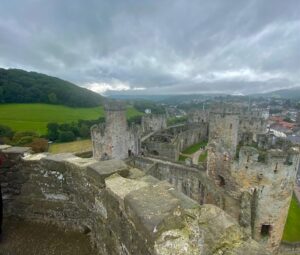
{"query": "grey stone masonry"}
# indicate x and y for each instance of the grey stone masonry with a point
(124, 211)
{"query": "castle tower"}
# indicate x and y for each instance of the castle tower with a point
(114, 140)
(116, 130)
(223, 128)
(270, 180)
(260, 179)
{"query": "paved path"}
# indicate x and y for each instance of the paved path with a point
(195, 156)
(27, 238)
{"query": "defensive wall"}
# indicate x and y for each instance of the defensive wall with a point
(153, 122)
(123, 210)
(196, 184)
(170, 142)
(256, 193)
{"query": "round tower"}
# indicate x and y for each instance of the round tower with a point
(115, 116)
(117, 136)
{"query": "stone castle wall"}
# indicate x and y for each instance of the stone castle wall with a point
(270, 185)
(251, 125)
(198, 116)
(174, 140)
(114, 139)
(224, 128)
(153, 122)
(273, 183)
(193, 182)
(123, 210)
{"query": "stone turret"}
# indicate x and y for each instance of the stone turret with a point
(270, 178)
(261, 176)
(114, 140)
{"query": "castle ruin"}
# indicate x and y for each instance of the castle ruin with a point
(262, 179)
(114, 139)
(153, 122)
(246, 173)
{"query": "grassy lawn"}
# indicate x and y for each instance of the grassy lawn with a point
(192, 149)
(202, 157)
(182, 158)
(76, 146)
(292, 226)
(34, 117)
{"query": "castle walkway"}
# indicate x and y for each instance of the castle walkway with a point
(28, 238)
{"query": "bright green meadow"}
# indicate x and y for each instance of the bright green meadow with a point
(35, 117)
(292, 226)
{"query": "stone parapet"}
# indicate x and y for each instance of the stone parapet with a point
(123, 210)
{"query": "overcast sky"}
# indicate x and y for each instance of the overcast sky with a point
(156, 46)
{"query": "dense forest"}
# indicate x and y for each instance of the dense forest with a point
(19, 86)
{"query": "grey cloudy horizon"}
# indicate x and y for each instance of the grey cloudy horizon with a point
(156, 47)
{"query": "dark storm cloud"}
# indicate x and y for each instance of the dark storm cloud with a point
(152, 46)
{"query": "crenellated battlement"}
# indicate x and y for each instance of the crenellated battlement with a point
(275, 159)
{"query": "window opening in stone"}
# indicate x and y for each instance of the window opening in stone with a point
(221, 181)
(276, 170)
(265, 230)
(154, 153)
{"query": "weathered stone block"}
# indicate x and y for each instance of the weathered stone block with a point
(154, 209)
(17, 150)
(103, 169)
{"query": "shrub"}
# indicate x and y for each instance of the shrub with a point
(39, 145)
(18, 135)
(6, 131)
(66, 136)
(25, 140)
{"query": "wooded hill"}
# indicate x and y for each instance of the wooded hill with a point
(19, 86)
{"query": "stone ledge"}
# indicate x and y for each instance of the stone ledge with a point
(16, 150)
(119, 187)
(99, 171)
(58, 158)
(35, 157)
(4, 147)
(154, 209)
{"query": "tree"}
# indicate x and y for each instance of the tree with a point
(66, 136)
(52, 133)
(52, 98)
(1, 95)
(84, 131)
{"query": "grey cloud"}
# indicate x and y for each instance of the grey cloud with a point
(162, 46)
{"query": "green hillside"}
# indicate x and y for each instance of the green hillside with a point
(19, 86)
(34, 117)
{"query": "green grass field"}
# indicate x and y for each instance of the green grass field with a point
(34, 117)
(192, 149)
(76, 146)
(202, 157)
(292, 226)
(182, 158)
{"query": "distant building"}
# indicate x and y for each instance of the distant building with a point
(148, 111)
